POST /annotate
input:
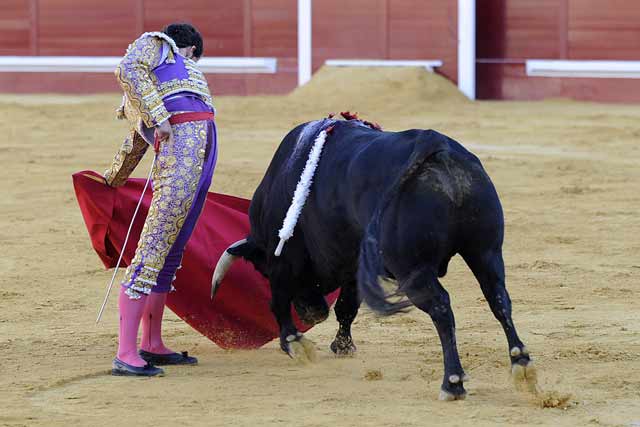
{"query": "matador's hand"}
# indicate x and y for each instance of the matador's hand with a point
(163, 131)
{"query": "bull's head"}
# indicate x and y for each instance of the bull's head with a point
(311, 307)
(244, 248)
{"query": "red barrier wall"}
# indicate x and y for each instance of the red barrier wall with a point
(508, 33)
(511, 31)
(393, 29)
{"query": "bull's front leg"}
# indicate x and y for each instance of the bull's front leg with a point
(346, 310)
(292, 341)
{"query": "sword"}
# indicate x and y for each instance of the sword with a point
(156, 147)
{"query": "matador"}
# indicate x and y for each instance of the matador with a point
(168, 105)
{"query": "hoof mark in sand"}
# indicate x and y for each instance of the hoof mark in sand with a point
(373, 375)
(74, 379)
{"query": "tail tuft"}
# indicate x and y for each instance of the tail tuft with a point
(369, 271)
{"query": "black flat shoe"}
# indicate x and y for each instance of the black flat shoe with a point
(168, 359)
(122, 369)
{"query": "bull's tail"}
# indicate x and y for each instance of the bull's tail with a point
(371, 266)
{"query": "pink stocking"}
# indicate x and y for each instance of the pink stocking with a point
(152, 324)
(130, 314)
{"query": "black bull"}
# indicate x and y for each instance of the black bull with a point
(395, 205)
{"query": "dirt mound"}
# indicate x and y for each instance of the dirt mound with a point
(376, 89)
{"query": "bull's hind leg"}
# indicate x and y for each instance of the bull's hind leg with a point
(488, 268)
(425, 291)
(346, 311)
(292, 341)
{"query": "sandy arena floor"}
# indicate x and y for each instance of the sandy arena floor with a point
(568, 177)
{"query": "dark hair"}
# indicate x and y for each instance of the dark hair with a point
(185, 35)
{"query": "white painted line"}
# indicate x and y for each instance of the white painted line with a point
(107, 64)
(575, 68)
(428, 64)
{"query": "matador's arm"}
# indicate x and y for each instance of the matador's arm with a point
(126, 160)
(141, 101)
(135, 75)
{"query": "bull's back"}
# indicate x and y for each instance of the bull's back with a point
(432, 189)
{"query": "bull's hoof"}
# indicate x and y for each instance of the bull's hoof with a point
(525, 376)
(453, 388)
(300, 349)
(519, 356)
(343, 347)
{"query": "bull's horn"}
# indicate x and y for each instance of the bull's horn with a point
(224, 264)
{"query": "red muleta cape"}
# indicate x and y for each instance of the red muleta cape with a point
(240, 316)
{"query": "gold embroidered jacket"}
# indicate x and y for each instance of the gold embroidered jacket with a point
(142, 105)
